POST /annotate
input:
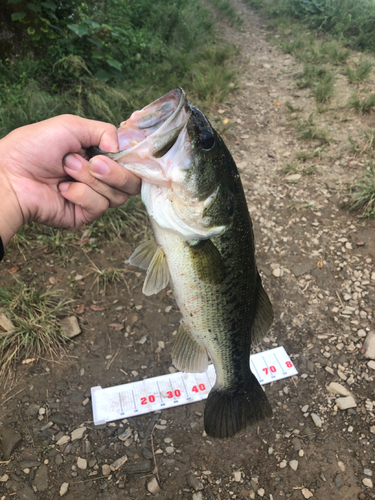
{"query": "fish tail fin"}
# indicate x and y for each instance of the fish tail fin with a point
(230, 411)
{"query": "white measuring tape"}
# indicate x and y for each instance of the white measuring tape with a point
(165, 391)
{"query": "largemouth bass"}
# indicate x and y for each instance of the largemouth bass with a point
(203, 247)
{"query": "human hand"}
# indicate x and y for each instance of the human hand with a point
(39, 164)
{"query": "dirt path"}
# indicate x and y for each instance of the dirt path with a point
(317, 264)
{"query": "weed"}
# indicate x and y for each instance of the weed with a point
(309, 74)
(228, 10)
(353, 144)
(292, 109)
(361, 72)
(104, 277)
(369, 137)
(361, 105)
(335, 52)
(363, 192)
(309, 131)
(35, 317)
(324, 89)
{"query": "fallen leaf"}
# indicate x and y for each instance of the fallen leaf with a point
(320, 264)
(28, 361)
(83, 241)
(225, 121)
(117, 326)
(94, 307)
(52, 280)
(14, 269)
(80, 309)
(6, 323)
(277, 103)
(47, 250)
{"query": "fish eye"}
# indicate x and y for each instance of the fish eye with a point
(206, 139)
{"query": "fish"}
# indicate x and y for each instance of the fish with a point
(204, 248)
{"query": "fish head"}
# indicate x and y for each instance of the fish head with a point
(186, 184)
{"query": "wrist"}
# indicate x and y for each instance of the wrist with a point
(11, 217)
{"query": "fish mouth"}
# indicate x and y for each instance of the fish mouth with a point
(155, 128)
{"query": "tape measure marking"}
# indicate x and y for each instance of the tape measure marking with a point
(165, 391)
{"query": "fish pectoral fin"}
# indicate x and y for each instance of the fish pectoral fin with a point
(188, 355)
(207, 261)
(157, 276)
(263, 315)
(143, 255)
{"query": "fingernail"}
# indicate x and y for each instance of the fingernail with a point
(72, 162)
(64, 186)
(98, 166)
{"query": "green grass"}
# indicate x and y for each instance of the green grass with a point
(35, 316)
(308, 130)
(227, 9)
(360, 72)
(361, 104)
(362, 195)
(292, 108)
(324, 89)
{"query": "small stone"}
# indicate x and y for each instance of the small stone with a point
(118, 463)
(337, 388)
(282, 464)
(316, 419)
(304, 408)
(367, 482)
(198, 496)
(261, 492)
(63, 440)
(345, 403)
(371, 364)
(194, 482)
(368, 472)
(296, 444)
(153, 486)
(70, 327)
(369, 345)
(4, 478)
(278, 272)
(64, 489)
(293, 464)
(106, 470)
(169, 449)
(372, 429)
(78, 433)
(237, 475)
(41, 478)
(81, 463)
(306, 493)
(293, 177)
(338, 481)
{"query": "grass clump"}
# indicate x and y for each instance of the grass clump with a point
(361, 105)
(363, 192)
(226, 8)
(35, 318)
(324, 89)
(361, 72)
(308, 130)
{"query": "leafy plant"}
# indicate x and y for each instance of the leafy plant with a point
(361, 105)
(324, 89)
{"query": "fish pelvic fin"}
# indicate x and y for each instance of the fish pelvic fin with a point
(263, 315)
(188, 355)
(143, 255)
(230, 411)
(157, 276)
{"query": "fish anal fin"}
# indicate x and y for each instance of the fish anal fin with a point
(207, 261)
(263, 315)
(143, 255)
(188, 355)
(230, 411)
(157, 276)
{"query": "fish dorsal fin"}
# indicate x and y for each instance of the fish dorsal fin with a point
(157, 276)
(207, 261)
(143, 255)
(263, 315)
(188, 355)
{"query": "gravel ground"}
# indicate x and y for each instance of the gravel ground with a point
(317, 263)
